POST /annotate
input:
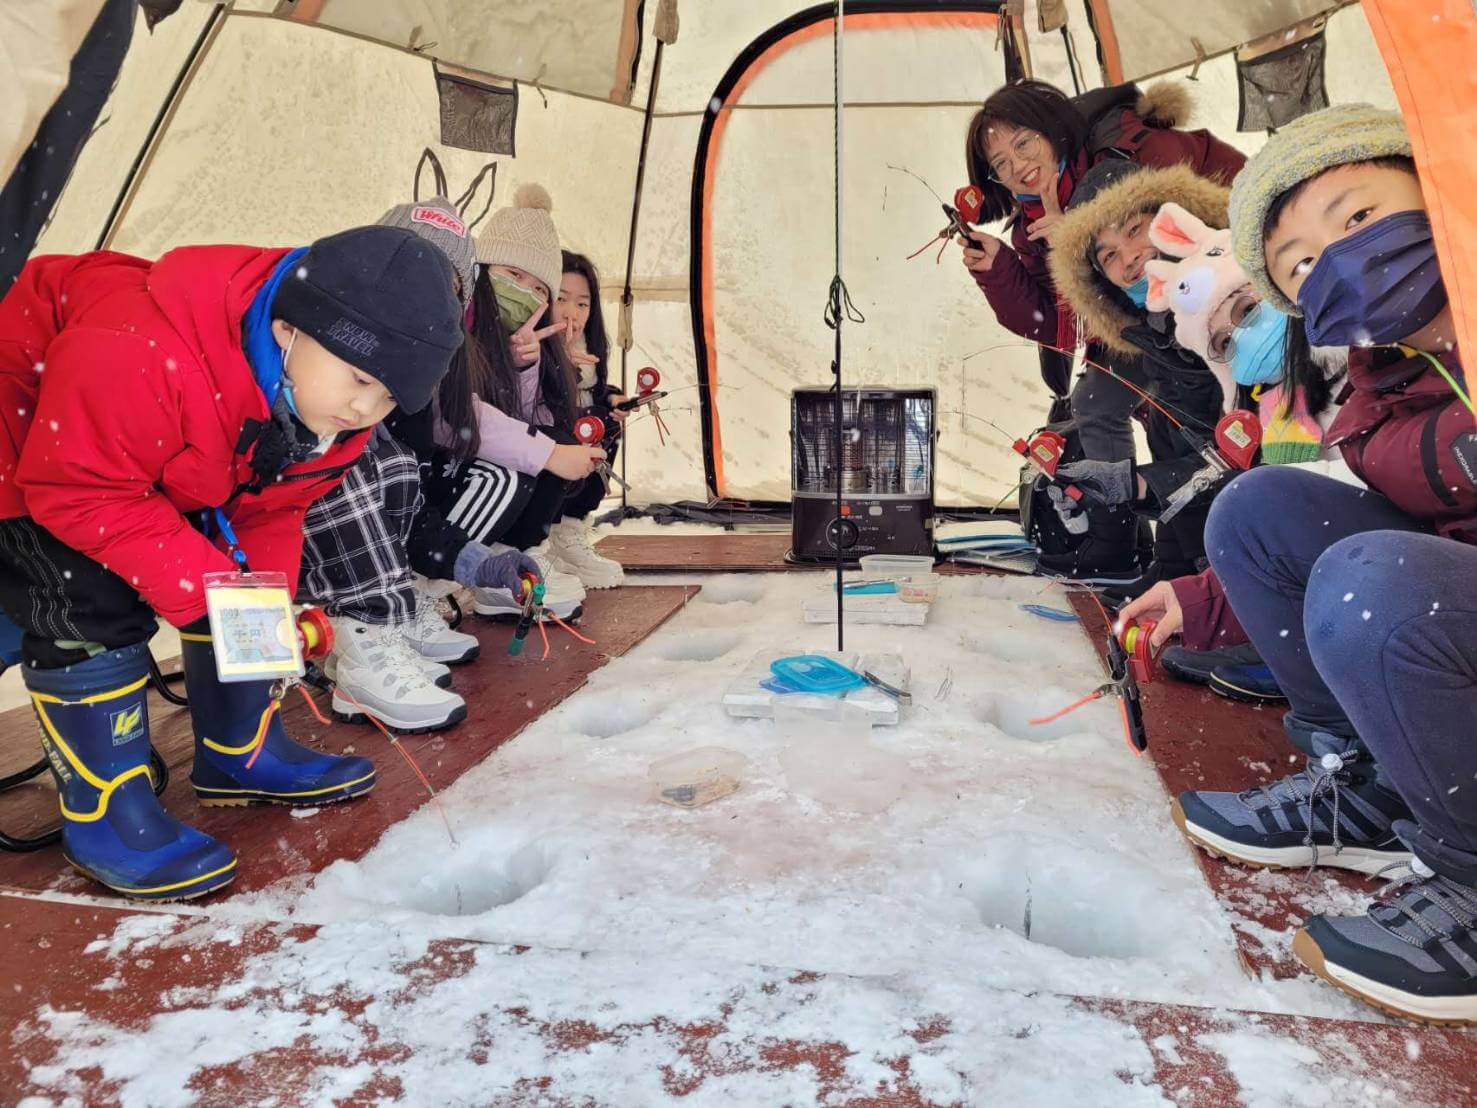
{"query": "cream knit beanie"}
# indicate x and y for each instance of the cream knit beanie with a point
(524, 236)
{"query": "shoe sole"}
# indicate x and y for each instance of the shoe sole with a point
(204, 886)
(1221, 687)
(241, 798)
(1354, 858)
(456, 716)
(1439, 1011)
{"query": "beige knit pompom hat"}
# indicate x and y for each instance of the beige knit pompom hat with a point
(524, 236)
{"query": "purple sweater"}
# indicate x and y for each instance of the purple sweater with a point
(512, 441)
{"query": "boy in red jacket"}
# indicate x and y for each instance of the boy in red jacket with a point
(1360, 601)
(167, 420)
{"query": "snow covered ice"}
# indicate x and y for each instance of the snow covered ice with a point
(963, 863)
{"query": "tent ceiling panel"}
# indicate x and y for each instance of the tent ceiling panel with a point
(580, 46)
(715, 34)
(1143, 37)
(287, 134)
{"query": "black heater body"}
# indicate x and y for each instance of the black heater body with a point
(886, 470)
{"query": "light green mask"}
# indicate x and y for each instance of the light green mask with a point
(515, 304)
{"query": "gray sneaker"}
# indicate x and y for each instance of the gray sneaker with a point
(1413, 954)
(1332, 813)
(1196, 666)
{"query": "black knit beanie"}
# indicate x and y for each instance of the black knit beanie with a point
(381, 299)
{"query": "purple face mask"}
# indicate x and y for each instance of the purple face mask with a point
(1377, 286)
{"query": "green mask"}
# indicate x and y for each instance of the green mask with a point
(515, 304)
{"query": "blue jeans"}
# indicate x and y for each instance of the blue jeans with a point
(1370, 626)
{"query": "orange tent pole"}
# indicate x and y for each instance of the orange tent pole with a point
(1429, 47)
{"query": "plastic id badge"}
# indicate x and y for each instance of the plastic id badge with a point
(252, 626)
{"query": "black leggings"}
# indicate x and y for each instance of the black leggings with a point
(493, 503)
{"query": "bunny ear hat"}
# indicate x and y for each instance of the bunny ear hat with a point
(1196, 278)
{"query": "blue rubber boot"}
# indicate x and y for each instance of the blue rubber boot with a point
(242, 752)
(94, 720)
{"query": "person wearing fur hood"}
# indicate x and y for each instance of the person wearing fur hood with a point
(1028, 149)
(1098, 259)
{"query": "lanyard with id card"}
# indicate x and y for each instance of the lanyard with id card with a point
(252, 625)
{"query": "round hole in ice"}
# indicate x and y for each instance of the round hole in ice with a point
(700, 646)
(469, 883)
(1013, 714)
(732, 589)
(612, 713)
(1084, 903)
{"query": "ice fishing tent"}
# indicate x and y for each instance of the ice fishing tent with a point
(267, 121)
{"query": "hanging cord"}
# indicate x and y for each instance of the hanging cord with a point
(839, 308)
(1461, 393)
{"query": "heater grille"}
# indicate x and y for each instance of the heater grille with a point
(886, 442)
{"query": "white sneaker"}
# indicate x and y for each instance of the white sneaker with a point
(569, 546)
(435, 672)
(374, 670)
(429, 636)
(563, 593)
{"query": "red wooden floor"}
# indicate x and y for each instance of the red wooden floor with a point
(1197, 741)
(504, 697)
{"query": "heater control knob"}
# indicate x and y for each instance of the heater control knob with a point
(842, 534)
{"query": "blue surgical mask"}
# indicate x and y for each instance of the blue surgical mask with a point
(1376, 286)
(1257, 343)
(1138, 292)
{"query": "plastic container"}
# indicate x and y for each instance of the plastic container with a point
(815, 673)
(896, 565)
(697, 777)
(917, 583)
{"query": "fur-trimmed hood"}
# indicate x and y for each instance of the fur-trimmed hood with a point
(1104, 309)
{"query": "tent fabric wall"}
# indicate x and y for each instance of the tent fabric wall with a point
(37, 41)
(1428, 47)
(288, 131)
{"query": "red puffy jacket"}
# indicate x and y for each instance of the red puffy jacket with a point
(124, 395)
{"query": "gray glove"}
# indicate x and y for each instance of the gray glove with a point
(494, 567)
(1107, 483)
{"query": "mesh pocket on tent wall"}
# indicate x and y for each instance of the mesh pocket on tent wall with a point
(477, 114)
(1279, 87)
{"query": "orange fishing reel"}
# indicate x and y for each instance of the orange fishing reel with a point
(1044, 450)
(1136, 638)
(314, 634)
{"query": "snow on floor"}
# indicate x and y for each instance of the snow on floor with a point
(1014, 861)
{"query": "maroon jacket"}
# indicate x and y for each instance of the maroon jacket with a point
(1406, 435)
(1017, 285)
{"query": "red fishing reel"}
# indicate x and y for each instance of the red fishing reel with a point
(647, 380)
(1044, 450)
(1142, 656)
(1237, 437)
(314, 634)
(968, 202)
(589, 430)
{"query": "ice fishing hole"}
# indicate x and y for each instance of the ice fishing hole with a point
(732, 590)
(1084, 904)
(609, 713)
(469, 883)
(701, 646)
(1013, 714)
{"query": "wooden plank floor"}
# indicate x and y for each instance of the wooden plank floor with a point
(505, 695)
(61, 957)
